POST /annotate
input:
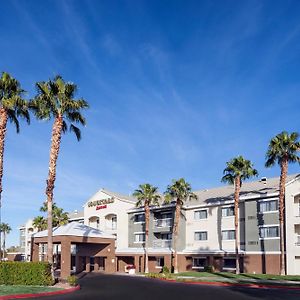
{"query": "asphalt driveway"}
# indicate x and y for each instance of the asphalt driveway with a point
(116, 287)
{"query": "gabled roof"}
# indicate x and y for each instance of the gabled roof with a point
(120, 196)
(76, 215)
(253, 189)
(76, 229)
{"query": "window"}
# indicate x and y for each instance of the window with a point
(160, 262)
(265, 206)
(229, 263)
(200, 214)
(228, 234)
(200, 236)
(114, 223)
(227, 211)
(140, 218)
(199, 263)
(269, 232)
(139, 237)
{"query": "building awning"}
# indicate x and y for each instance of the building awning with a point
(75, 229)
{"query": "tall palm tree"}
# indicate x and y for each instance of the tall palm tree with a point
(180, 191)
(146, 196)
(12, 106)
(283, 149)
(40, 223)
(4, 229)
(55, 100)
(238, 169)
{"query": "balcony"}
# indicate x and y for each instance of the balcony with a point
(162, 244)
(162, 225)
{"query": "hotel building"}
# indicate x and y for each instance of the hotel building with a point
(206, 231)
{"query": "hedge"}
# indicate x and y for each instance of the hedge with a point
(25, 273)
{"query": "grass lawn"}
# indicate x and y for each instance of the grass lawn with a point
(243, 276)
(23, 289)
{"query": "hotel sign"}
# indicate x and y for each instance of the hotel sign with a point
(101, 203)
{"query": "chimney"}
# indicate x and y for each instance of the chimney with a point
(263, 180)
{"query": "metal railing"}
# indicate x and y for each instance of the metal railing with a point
(163, 222)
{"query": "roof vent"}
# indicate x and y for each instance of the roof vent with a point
(264, 180)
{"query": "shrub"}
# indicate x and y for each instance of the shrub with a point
(72, 280)
(209, 269)
(25, 273)
(165, 270)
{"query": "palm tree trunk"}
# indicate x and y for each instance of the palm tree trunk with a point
(283, 175)
(4, 244)
(55, 145)
(3, 123)
(175, 234)
(147, 216)
(237, 185)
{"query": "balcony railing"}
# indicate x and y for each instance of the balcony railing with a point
(163, 222)
(162, 243)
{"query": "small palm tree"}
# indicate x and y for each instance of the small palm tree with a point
(4, 229)
(55, 100)
(238, 169)
(40, 223)
(12, 107)
(283, 149)
(146, 195)
(180, 191)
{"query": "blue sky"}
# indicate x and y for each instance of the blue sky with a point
(176, 89)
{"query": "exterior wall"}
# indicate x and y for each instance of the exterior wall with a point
(253, 220)
(154, 231)
(292, 218)
(262, 263)
(214, 225)
(118, 207)
(26, 232)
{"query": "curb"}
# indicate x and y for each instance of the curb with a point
(246, 285)
(22, 296)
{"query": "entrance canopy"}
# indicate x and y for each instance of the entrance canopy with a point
(81, 246)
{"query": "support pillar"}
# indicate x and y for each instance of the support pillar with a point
(65, 259)
(96, 264)
(87, 264)
(35, 252)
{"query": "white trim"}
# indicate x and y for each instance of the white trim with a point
(268, 225)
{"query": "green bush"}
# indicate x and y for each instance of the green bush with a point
(209, 269)
(25, 273)
(165, 270)
(72, 280)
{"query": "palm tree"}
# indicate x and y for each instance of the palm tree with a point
(238, 169)
(146, 195)
(180, 191)
(283, 149)
(55, 100)
(40, 223)
(4, 229)
(59, 217)
(12, 106)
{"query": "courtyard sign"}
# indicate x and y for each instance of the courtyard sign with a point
(102, 202)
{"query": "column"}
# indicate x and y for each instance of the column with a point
(35, 252)
(65, 259)
(87, 264)
(96, 264)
